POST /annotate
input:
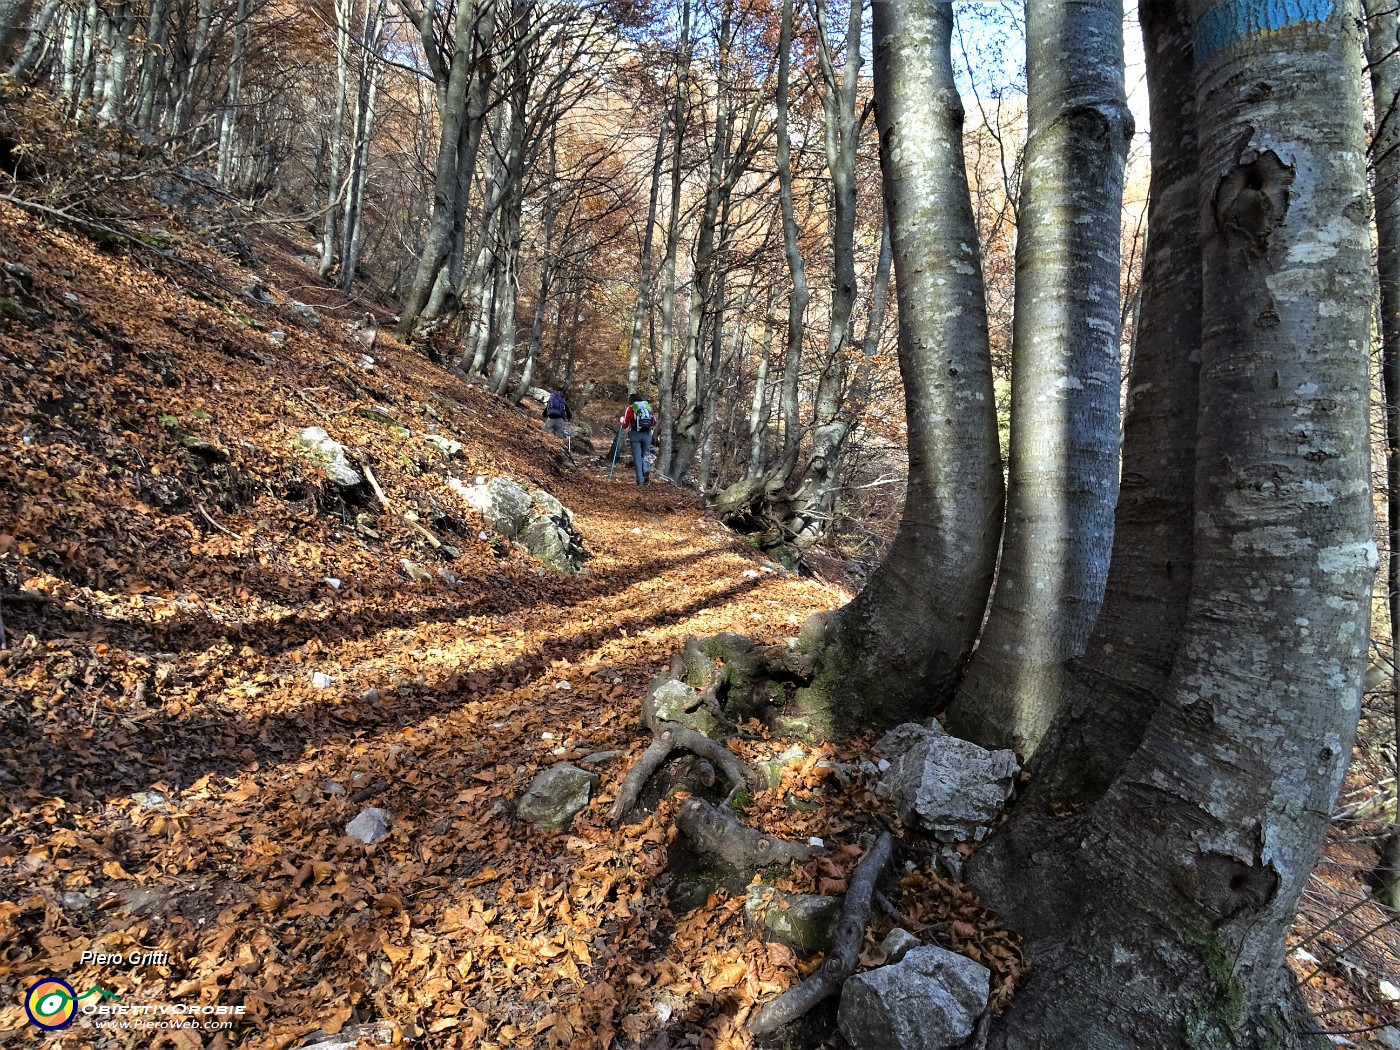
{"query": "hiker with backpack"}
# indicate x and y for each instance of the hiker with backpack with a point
(557, 415)
(638, 422)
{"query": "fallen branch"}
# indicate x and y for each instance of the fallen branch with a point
(669, 737)
(717, 832)
(367, 793)
(211, 521)
(845, 949)
(383, 499)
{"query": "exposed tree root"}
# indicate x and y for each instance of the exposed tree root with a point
(845, 948)
(670, 737)
(715, 831)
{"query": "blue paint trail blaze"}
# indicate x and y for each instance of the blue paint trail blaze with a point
(1235, 20)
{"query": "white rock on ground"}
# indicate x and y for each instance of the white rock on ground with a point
(929, 1001)
(330, 456)
(370, 826)
(947, 785)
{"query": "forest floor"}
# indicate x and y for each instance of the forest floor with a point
(215, 663)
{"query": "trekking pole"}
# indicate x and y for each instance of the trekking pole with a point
(569, 436)
(617, 444)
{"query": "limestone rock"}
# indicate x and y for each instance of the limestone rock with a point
(949, 786)
(370, 826)
(414, 571)
(898, 943)
(929, 1001)
(504, 504)
(671, 700)
(555, 542)
(536, 520)
(804, 922)
(555, 795)
(903, 737)
(446, 446)
(305, 314)
(330, 455)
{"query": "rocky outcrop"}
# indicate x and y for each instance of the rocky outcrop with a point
(535, 520)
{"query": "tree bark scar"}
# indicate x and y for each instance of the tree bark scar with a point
(1229, 886)
(1252, 201)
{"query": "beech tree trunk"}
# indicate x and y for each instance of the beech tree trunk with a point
(643, 304)
(1382, 40)
(1063, 469)
(1112, 693)
(896, 651)
(1190, 866)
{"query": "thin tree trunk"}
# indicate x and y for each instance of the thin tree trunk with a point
(1382, 41)
(344, 11)
(228, 121)
(462, 114)
(366, 98)
(1066, 376)
(634, 349)
(896, 651)
(679, 115)
(151, 65)
(761, 410)
(38, 40)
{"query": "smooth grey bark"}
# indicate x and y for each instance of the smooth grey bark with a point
(36, 43)
(643, 305)
(1191, 865)
(760, 411)
(151, 65)
(895, 652)
(735, 139)
(233, 89)
(366, 98)
(680, 118)
(742, 504)
(1112, 692)
(1063, 468)
(14, 22)
(1382, 40)
(804, 509)
(122, 23)
(465, 81)
(343, 11)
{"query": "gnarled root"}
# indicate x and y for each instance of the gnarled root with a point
(669, 737)
(717, 832)
(845, 948)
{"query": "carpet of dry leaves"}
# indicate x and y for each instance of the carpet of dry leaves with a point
(174, 780)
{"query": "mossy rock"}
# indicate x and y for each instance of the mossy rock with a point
(804, 922)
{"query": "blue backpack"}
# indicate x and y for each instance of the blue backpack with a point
(555, 408)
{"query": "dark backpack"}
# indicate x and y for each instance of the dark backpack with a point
(555, 408)
(641, 411)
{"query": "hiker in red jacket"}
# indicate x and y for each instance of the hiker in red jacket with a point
(638, 421)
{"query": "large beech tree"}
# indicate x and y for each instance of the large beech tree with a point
(1161, 922)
